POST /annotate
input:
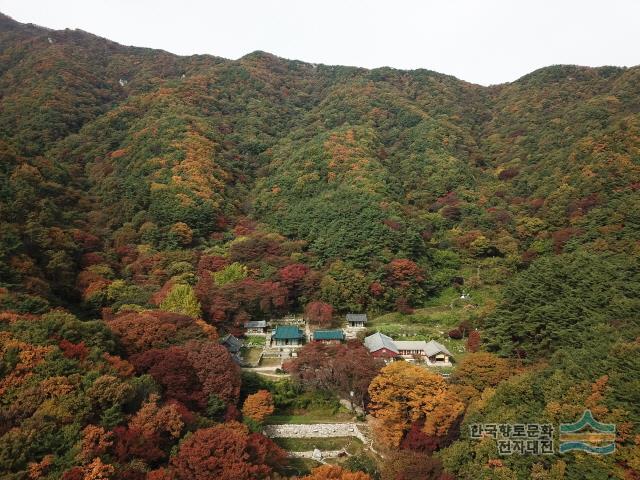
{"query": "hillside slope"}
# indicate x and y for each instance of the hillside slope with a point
(152, 203)
(102, 143)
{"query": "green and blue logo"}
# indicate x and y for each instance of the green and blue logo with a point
(588, 435)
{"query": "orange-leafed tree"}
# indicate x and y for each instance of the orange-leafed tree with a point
(403, 394)
(258, 406)
(481, 370)
(95, 442)
(182, 232)
(334, 472)
(149, 432)
(98, 470)
(153, 417)
(141, 331)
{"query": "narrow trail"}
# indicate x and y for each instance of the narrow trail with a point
(266, 372)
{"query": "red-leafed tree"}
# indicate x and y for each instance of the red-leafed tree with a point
(160, 474)
(344, 368)
(407, 280)
(402, 305)
(255, 247)
(226, 452)
(218, 373)
(409, 465)
(319, 313)
(149, 432)
(192, 373)
(160, 295)
(75, 473)
(417, 440)
(292, 277)
(473, 341)
(376, 289)
(211, 263)
(172, 369)
(78, 351)
(403, 273)
(562, 236)
(228, 304)
(122, 367)
(133, 443)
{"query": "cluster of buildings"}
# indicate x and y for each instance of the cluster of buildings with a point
(291, 336)
(431, 352)
(294, 336)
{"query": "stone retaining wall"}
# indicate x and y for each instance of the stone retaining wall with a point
(321, 430)
(314, 455)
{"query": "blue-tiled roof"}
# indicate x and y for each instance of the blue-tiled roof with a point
(328, 335)
(284, 332)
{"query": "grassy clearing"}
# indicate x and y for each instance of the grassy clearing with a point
(311, 409)
(255, 340)
(312, 416)
(299, 467)
(448, 370)
(350, 444)
(439, 315)
(270, 362)
(414, 327)
(251, 355)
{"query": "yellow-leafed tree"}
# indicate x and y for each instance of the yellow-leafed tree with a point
(404, 394)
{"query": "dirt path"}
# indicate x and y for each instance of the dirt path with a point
(266, 372)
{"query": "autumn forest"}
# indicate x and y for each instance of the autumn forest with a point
(153, 204)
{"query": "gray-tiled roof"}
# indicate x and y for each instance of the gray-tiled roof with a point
(434, 348)
(356, 317)
(378, 340)
(232, 343)
(411, 345)
(255, 324)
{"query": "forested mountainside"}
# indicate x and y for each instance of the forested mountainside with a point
(178, 197)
